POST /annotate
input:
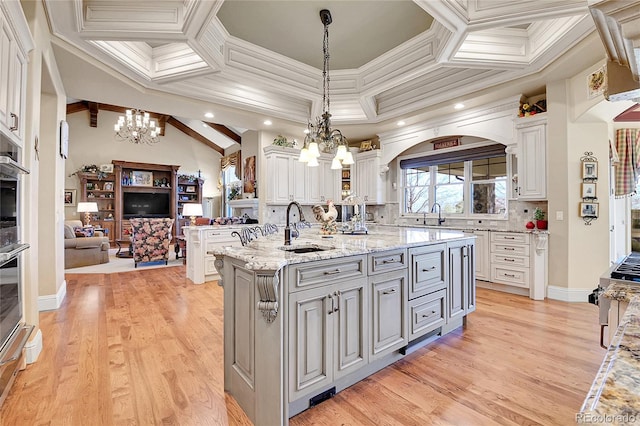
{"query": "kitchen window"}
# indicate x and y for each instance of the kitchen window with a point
(472, 182)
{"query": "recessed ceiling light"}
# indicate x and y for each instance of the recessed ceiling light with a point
(400, 123)
(268, 122)
(306, 131)
(209, 115)
(459, 106)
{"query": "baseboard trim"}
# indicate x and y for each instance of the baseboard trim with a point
(53, 301)
(33, 348)
(568, 294)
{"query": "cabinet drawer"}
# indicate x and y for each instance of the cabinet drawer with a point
(387, 261)
(518, 277)
(427, 313)
(510, 237)
(216, 234)
(510, 249)
(324, 272)
(428, 270)
(507, 259)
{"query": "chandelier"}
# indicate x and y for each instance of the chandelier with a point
(319, 134)
(136, 127)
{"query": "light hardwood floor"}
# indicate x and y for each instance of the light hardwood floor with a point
(145, 348)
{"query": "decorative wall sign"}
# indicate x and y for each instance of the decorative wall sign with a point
(446, 143)
(588, 208)
(597, 82)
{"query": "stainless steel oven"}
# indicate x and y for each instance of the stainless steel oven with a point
(13, 332)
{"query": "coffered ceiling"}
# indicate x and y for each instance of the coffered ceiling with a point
(389, 59)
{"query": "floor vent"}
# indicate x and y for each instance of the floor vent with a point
(329, 393)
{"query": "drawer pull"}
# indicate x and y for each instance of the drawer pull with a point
(509, 248)
(428, 315)
(16, 123)
(337, 271)
(390, 291)
(509, 260)
(510, 275)
(429, 269)
(509, 238)
(386, 261)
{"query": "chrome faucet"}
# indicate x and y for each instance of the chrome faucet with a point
(287, 229)
(433, 209)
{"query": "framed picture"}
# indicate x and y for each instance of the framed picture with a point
(106, 168)
(190, 189)
(588, 209)
(69, 197)
(589, 170)
(588, 190)
(108, 186)
(140, 178)
(365, 146)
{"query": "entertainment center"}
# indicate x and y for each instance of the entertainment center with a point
(137, 190)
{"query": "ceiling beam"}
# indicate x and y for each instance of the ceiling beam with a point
(225, 131)
(195, 135)
(93, 112)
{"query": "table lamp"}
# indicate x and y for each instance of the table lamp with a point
(192, 210)
(87, 209)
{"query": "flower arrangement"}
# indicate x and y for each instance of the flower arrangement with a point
(282, 141)
(92, 168)
(526, 110)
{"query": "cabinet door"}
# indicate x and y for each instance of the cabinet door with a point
(457, 278)
(481, 252)
(298, 179)
(351, 340)
(388, 302)
(532, 162)
(6, 56)
(470, 282)
(310, 340)
(278, 190)
(314, 183)
(17, 78)
(363, 184)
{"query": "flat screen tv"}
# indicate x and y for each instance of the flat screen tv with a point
(145, 204)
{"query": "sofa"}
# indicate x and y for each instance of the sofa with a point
(81, 250)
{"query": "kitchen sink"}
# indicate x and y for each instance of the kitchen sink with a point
(304, 249)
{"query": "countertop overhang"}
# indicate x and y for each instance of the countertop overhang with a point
(267, 253)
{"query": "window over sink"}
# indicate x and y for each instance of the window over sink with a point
(472, 182)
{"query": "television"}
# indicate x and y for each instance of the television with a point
(145, 204)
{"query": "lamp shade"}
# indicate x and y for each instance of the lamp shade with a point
(87, 207)
(192, 209)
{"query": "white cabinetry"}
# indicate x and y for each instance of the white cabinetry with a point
(510, 258)
(369, 181)
(328, 337)
(483, 270)
(290, 180)
(14, 45)
(462, 294)
(531, 136)
(200, 241)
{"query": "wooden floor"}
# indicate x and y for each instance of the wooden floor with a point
(145, 348)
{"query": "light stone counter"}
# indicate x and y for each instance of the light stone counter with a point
(614, 396)
(267, 253)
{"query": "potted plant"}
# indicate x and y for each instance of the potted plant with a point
(539, 216)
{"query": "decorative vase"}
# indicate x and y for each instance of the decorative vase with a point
(541, 224)
(530, 225)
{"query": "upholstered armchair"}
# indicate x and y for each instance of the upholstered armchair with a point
(151, 239)
(82, 249)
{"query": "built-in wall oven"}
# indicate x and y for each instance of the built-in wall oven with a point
(13, 332)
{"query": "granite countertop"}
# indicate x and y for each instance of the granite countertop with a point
(614, 396)
(266, 253)
(473, 228)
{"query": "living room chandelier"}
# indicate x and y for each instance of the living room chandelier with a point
(136, 127)
(319, 135)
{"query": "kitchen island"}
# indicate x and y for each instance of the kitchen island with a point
(305, 321)
(614, 397)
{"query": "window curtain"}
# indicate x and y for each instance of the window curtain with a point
(490, 151)
(232, 160)
(627, 151)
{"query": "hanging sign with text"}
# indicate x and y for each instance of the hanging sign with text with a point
(446, 143)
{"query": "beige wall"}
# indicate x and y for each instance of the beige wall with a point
(97, 145)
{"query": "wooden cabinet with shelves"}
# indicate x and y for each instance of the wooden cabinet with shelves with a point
(188, 191)
(99, 188)
(133, 177)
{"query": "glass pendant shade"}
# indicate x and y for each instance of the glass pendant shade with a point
(313, 150)
(348, 158)
(341, 152)
(313, 162)
(304, 155)
(335, 164)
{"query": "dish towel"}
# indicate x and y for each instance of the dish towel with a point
(627, 168)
